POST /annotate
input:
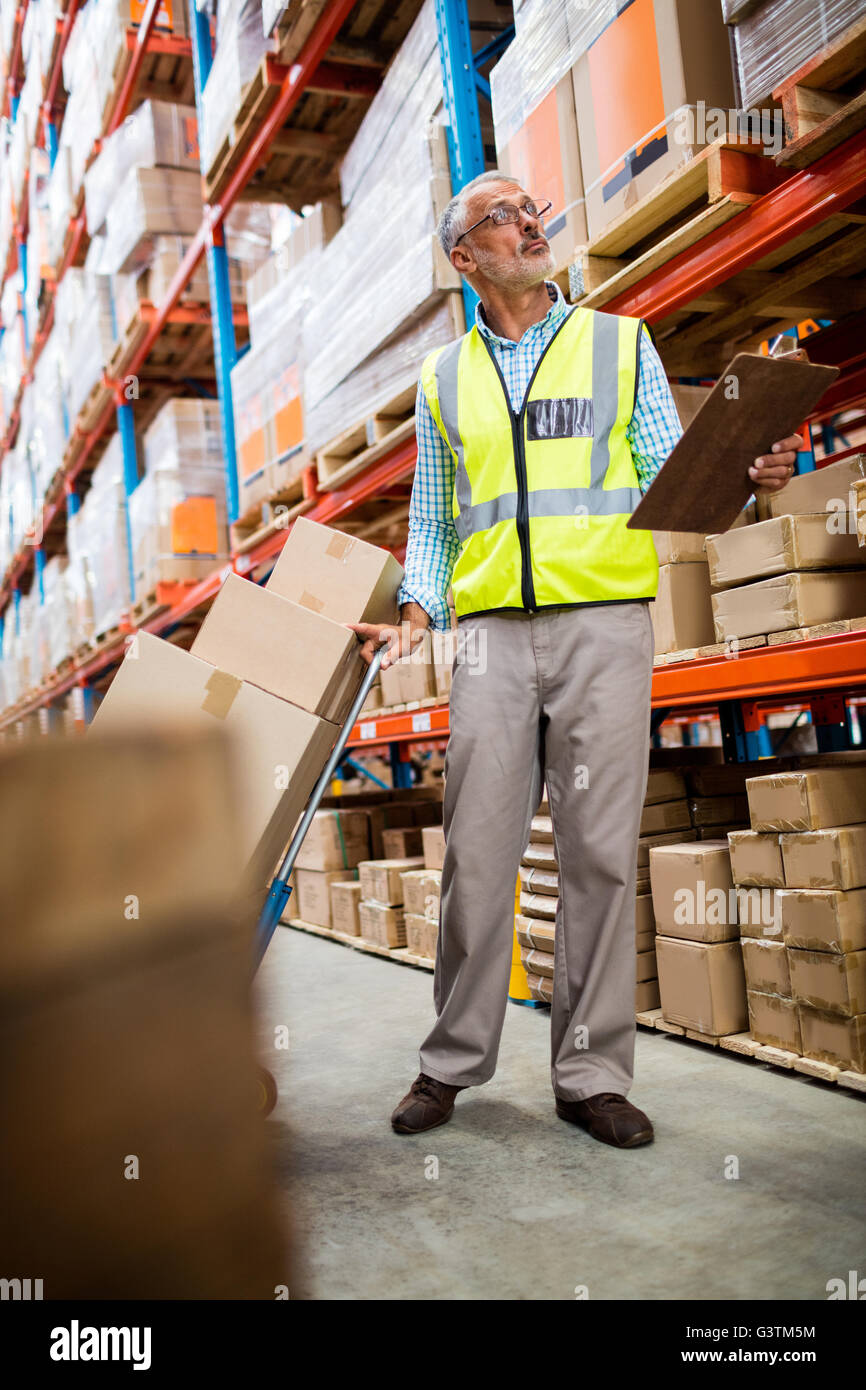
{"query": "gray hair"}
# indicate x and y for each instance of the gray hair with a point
(453, 220)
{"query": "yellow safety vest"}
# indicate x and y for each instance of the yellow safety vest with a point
(542, 495)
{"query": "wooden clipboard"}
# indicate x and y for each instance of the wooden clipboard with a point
(704, 484)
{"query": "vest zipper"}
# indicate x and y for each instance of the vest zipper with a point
(527, 587)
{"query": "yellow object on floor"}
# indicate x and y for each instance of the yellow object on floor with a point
(518, 987)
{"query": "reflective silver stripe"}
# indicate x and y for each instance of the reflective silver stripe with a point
(551, 501)
(605, 394)
(446, 390)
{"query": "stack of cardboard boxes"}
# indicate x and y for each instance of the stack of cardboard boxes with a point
(802, 894)
(334, 846)
(277, 667)
(799, 566)
(421, 896)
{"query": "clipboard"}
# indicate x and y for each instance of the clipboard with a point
(704, 483)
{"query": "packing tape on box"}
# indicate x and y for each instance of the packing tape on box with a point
(221, 691)
(340, 545)
(308, 600)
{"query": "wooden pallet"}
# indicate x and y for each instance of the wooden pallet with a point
(266, 518)
(772, 639)
(367, 440)
(744, 1045)
(164, 596)
(720, 182)
(401, 954)
(163, 76)
(824, 102)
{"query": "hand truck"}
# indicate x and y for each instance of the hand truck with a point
(280, 891)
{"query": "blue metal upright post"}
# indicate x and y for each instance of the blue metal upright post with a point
(225, 347)
(39, 562)
(51, 135)
(126, 430)
(465, 146)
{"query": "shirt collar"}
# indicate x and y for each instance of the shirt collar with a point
(554, 316)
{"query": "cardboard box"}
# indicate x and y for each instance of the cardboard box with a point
(776, 546)
(381, 881)
(539, 880)
(541, 830)
(646, 996)
(345, 898)
(665, 816)
(722, 779)
(281, 749)
(539, 148)
(538, 905)
(402, 842)
(702, 985)
(834, 983)
(335, 840)
(766, 966)
(830, 1038)
(282, 647)
(664, 784)
(444, 652)
(719, 810)
(421, 936)
(433, 838)
(537, 962)
(759, 911)
(313, 902)
(693, 892)
(413, 891)
(645, 962)
(823, 919)
(431, 885)
(821, 490)
(382, 924)
(682, 613)
(411, 678)
(788, 601)
(644, 917)
(543, 855)
(834, 858)
(680, 547)
(661, 57)
(815, 798)
(756, 859)
(648, 842)
(775, 1022)
(534, 932)
(337, 576)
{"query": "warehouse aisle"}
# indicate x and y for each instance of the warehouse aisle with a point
(525, 1206)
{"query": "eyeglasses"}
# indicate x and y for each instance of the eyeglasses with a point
(504, 213)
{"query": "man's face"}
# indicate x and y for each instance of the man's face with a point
(513, 256)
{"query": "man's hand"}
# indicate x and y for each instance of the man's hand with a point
(772, 471)
(401, 638)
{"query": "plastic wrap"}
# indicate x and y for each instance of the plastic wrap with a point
(11, 371)
(85, 323)
(57, 611)
(157, 133)
(781, 35)
(267, 393)
(352, 288)
(551, 37)
(149, 202)
(185, 434)
(50, 426)
(407, 99)
(382, 376)
(102, 547)
(177, 520)
(81, 126)
(271, 11)
(241, 45)
(59, 202)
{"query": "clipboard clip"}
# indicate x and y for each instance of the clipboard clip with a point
(787, 347)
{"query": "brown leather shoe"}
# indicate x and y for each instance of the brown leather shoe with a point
(608, 1117)
(427, 1104)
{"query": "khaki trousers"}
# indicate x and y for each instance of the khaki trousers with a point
(561, 695)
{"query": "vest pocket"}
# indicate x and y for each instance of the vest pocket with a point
(568, 417)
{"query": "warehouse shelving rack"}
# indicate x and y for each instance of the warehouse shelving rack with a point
(819, 672)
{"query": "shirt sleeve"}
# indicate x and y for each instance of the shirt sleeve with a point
(655, 426)
(433, 544)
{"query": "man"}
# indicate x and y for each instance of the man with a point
(537, 433)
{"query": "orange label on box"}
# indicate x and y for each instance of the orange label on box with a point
(190, 137)
(194, 526)
(289, 411)
(534, 154)
(250, 437)
(627, 95)
(164, 16)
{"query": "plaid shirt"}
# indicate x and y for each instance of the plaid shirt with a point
(433, 545)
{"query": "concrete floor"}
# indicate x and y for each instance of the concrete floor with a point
(524, 1205)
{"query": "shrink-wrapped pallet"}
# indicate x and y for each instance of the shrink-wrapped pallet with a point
(240, 47)
(178, 526)
(774, 40)
(157, 134)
